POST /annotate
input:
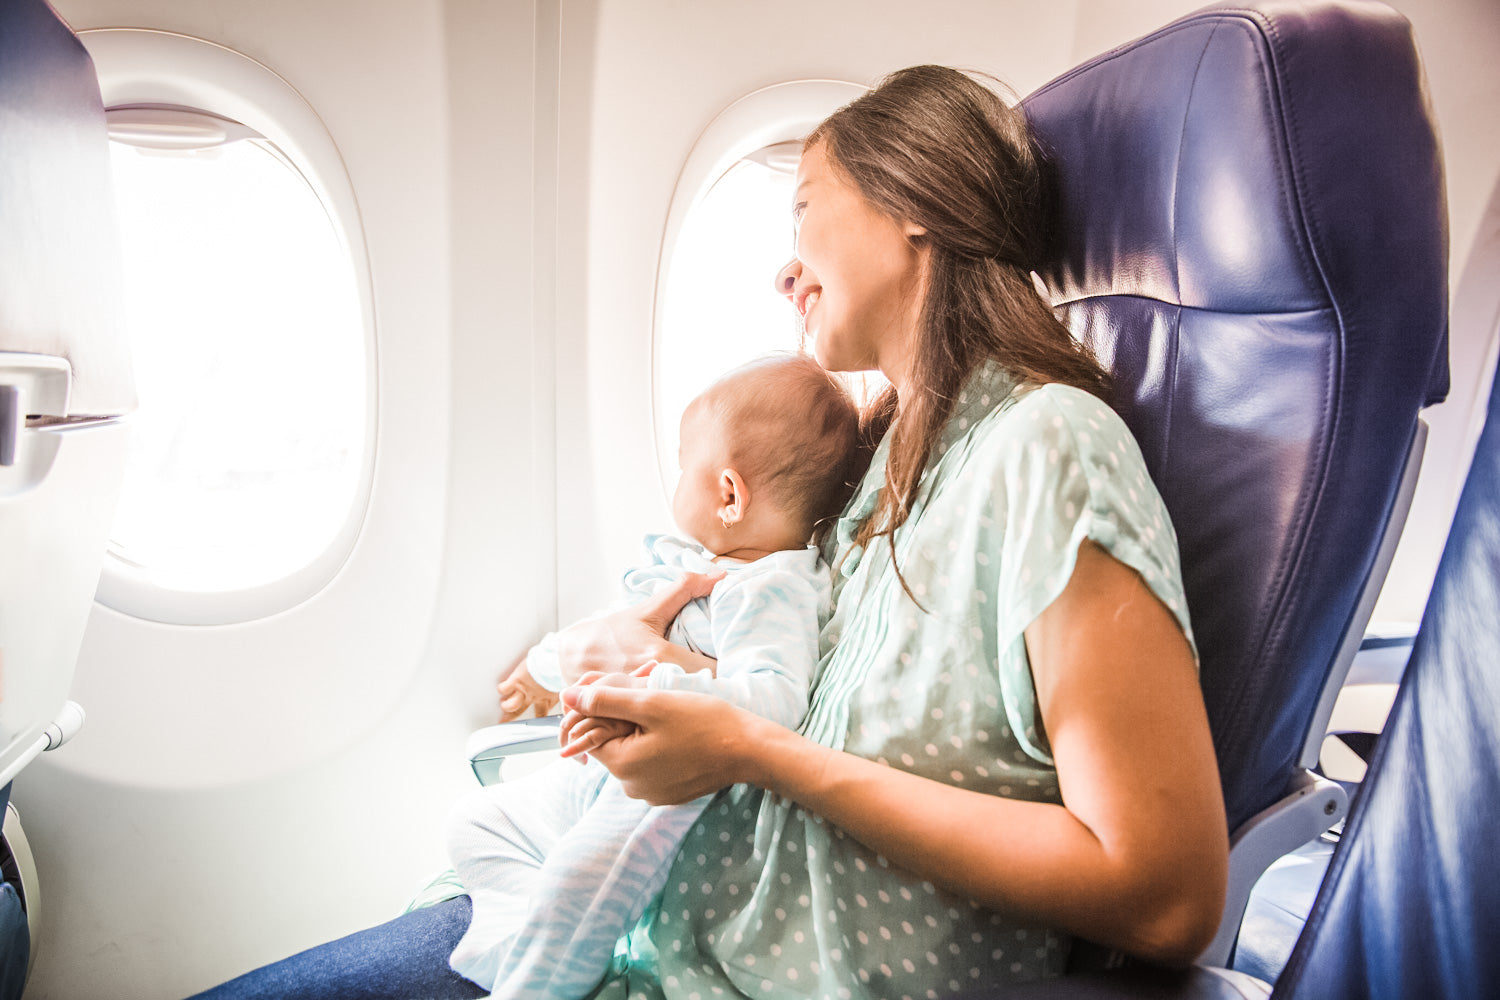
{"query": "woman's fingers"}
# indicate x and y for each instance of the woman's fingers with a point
(632, 705)
(677, 746)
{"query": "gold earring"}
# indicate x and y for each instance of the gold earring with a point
(727, 523)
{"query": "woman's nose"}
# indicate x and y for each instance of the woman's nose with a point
(786, 278)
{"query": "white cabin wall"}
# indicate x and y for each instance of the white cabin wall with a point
(158, 878)
(642, 78)
(499, 580)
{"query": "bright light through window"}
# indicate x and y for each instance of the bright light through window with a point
(721, 307)
(250, 362)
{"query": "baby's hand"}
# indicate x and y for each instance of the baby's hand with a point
(581, 734)
(591, 734)
(520, 694)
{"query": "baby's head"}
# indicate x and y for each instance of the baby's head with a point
(768, 451)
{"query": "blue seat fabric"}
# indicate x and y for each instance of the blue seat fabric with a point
(1410, 907)
(1265, 269)
(15, 932)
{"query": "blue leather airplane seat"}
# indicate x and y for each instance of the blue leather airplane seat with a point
(1252, 234)
(1409, 907)
(65, 378)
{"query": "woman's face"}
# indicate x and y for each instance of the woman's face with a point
(857, 278)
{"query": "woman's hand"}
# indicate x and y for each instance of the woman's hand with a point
(619, 642)
(581, 734)
(683, 744)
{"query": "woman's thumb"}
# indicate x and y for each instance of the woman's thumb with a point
(602, 701)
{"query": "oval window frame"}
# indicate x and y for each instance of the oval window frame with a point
(143, 66)
(781, 112)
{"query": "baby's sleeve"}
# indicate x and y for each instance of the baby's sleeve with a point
(765, 629)
(543, 665)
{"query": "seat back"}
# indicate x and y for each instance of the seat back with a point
(1409, 906)
(64, 367)
(1252, 234)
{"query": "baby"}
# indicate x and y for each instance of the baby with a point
(561, 863)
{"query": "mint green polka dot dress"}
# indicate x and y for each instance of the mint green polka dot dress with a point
(768, 900)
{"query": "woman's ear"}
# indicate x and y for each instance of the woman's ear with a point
(913, 231)
(734, 498)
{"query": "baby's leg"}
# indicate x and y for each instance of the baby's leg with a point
(593, 888)
(498, 839)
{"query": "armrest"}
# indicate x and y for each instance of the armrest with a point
(1142, 983)
(489, 747)
(1311, 805)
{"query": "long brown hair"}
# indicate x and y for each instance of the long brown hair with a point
(934, 147)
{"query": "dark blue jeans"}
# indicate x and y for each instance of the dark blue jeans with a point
(404, 959)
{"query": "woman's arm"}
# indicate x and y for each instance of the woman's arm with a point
(619, 642)
(1136, 859)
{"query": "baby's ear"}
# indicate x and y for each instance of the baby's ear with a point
(734, 498)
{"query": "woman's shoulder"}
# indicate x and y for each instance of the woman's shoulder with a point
(1060, 420)
(1033, 400)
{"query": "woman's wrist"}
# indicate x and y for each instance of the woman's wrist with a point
(764, 751)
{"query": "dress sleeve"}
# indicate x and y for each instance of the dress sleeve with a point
(765, 630)
(1069, 470)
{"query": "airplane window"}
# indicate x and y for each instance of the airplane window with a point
(721, 308)
(250, 358)
(729, 228)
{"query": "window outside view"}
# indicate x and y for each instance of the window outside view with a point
(250, 363)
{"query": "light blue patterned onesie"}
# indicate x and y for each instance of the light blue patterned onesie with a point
(561, 863)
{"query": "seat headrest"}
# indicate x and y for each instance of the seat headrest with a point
(60, 286)
(1252, 234)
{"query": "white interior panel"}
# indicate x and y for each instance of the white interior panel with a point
(243, 791)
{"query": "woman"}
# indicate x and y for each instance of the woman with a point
(1007, 745)
(1024, 644)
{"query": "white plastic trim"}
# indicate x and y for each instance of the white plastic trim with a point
(64, 727)
(1312, 746)
(1312, 805)
(780, 113)
(490, 750)
(138, 66)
